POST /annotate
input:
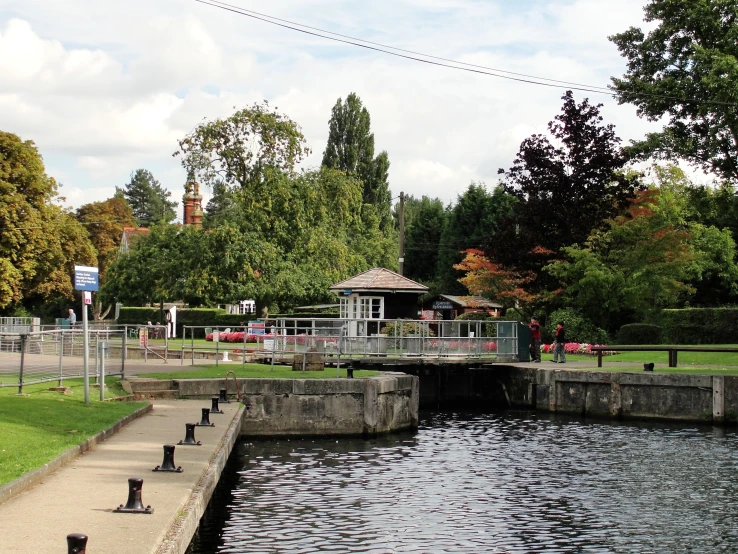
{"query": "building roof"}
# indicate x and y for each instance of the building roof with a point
(471, 301)
(379, 278)
(129, 234)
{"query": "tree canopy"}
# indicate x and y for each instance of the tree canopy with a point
(684, 70)
(350, 148)
(104, 222)
(39, 241)
(148, 200)
(568, 187)
(238, 151)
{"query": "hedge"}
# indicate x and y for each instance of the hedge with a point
(700, 326)
(194, 317)
(639, 333)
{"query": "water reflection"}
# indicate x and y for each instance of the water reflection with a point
(513, 482)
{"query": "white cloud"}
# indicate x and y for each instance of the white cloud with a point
(98, 84)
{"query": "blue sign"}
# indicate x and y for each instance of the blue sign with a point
(85, 278)
(347, 292)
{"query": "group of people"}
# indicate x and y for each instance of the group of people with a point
(535, 342)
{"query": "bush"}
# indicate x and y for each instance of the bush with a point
(700, 326)
(639, 333)
(578, 328)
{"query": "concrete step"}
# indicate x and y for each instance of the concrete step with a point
(157, 394)
(139, 385)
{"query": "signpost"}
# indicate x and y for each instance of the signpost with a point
(86, 279)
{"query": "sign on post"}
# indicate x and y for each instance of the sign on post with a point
(143, 337)
(86, 278)
(255, 328)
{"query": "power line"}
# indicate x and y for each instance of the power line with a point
(460, 66)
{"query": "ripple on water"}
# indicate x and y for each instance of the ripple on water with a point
(512, 482)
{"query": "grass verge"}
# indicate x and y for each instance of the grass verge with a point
(34, 429)
(254, 371)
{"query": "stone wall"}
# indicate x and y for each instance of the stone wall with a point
(703, 398)
(319, 406)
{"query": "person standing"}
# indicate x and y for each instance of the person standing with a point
(71, 318)
(560, 346)
(535, 339)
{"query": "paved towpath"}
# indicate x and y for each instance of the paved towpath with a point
(80, 497)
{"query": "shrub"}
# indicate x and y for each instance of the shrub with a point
(578, 328)
(699, 326)
(404, 328)
(639, 333)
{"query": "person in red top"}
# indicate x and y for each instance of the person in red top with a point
(535, 339)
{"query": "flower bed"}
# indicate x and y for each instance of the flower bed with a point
(577, 348)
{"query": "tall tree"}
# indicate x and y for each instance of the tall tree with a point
(104, 222)
(148, 199)
(350, 148)
(684, 71)
(424, 221)
(566, 191)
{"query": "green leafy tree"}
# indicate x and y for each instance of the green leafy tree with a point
(684, 71)
(148, 199)
(239, 150)
(476, 221)
(350, 148)
(39, 241)
(104, 222)
(424, 219)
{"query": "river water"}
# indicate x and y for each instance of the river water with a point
(482, 483)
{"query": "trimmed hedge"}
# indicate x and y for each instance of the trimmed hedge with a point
(639, 333)
(700, 326)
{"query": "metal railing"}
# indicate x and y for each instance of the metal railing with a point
(19, 324)
(46, 356)
(349, 339)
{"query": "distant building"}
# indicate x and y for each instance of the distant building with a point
(130, 234)
(377, 294)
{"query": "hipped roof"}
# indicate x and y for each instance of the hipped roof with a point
(377, 279)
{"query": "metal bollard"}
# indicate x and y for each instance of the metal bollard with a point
(168, 463)
(134, 504)
(214, 408)
(190, 436)
(205, 421)
(224, 396)
(76, 543)
(648, 367)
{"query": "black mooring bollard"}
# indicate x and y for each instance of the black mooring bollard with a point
(648, 367)
(205, 421)
(190, 436)
(134, 504)
(224, 396)
(76, 543)
(214, 409)
(168, 463)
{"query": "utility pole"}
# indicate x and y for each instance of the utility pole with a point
(402, 232)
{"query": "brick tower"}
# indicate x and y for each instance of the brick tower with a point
(192, 202)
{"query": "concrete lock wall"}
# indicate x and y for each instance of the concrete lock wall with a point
(704, 398)
(319, 406)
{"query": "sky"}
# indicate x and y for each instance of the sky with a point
(104, 88)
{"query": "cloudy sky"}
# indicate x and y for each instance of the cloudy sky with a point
(105, 87)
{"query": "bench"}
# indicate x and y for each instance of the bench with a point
(672, 350)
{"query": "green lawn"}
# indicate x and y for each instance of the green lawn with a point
(718, 359)
(34, 429)
(254, 371)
